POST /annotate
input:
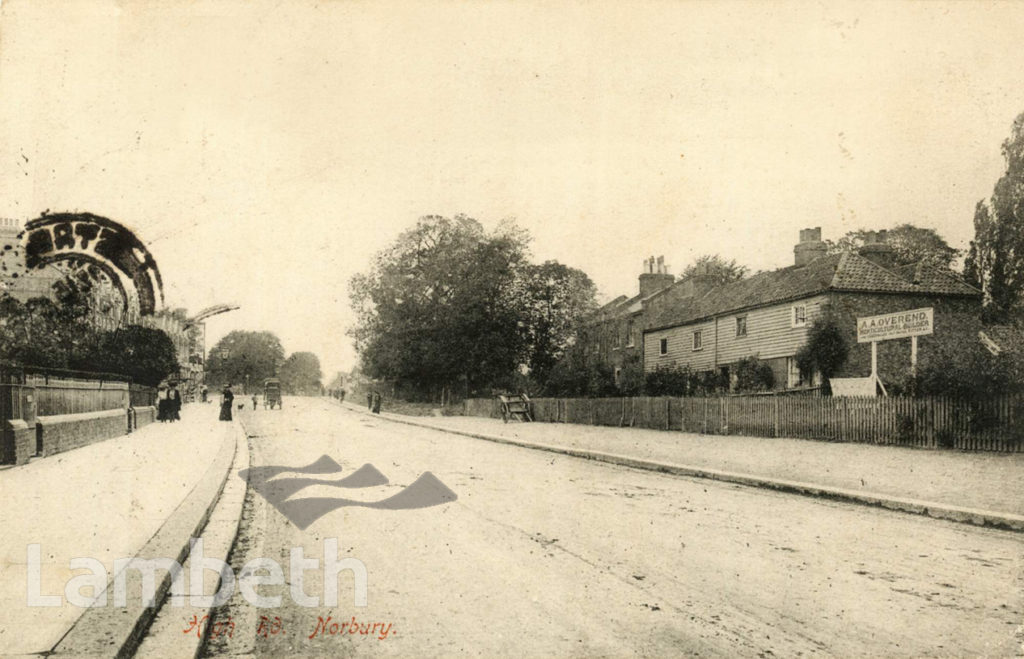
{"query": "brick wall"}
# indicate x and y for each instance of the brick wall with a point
(144, 416)
(956, 319)
(69, 431)
(17, 441)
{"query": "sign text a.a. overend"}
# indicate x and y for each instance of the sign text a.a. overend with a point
(898, 325)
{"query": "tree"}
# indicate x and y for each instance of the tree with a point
(144, 354)
(47, 332)
(752, 374)
(960, 369)
(669, 381)
(56, 334)
(244, 357)
(577, 374)
(560, 298)
(300, 374)
(825, 351)
(446, 300)
(720, 270)
(910, 244)
(995, 261)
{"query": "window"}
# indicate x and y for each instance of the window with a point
(616, 339)
(664, 347)
(618, 377)
(799, 315)
(741, 325)
(698, 340)
(629, 334)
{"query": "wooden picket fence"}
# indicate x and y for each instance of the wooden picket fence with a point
(27, 392)
(990, 425)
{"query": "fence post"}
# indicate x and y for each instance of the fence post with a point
(775, 416)
(705, 415)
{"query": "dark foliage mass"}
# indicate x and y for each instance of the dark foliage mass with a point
(245, 358)
(995, 261)
(826, 349)
(910, 244)
(56, 333)
(450, 305)
(300, 374)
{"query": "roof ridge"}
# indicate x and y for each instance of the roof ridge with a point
(832, 283)
(949, 274)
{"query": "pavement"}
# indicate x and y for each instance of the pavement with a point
(105, 501)
(972, 487)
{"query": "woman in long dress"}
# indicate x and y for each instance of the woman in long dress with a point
(174, 396)
(226, 400)
(162, 405)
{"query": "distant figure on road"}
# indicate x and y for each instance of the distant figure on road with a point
(369, 400)
(254, 402)
(173, 403)
(376, 402)
(163, 405)
(204, 393)
(226, 399)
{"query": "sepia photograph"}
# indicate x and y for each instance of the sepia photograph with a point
(659, 328)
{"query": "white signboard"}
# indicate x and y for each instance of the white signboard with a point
(855, 386)
(899, 325)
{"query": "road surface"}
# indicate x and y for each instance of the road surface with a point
(550, 555)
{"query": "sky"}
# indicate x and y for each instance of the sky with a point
(265, 151)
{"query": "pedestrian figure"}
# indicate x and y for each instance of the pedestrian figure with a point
(369, 400)
(376, 402)
(163, 405)
(173, 403)
(226, 399)
(254, 402)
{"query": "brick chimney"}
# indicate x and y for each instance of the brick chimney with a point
(810, 246)
(877, 249)
(655, 276)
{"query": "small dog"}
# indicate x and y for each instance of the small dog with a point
(241, 406)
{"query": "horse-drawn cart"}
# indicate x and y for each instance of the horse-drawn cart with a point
(271, 393)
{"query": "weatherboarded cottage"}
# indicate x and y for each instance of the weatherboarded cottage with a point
(694, 325)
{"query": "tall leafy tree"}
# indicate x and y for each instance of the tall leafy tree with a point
(996, 257)
(145, 354)
(910, 243)
(244, 357)
(560, 298)
(444, 302)
(720, 269)
(300, 374)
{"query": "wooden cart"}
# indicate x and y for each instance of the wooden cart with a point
(516, 408)
(272, 393)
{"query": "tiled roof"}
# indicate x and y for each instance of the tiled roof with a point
(614, 309)
(935, 280)
(838, 272)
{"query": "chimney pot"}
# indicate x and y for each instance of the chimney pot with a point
(810, 246)
(877, 249)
